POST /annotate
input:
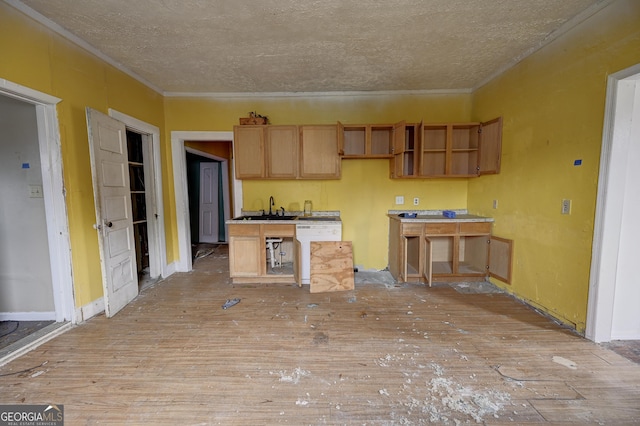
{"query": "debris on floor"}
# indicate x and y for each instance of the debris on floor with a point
(564, 361)
(230, 302)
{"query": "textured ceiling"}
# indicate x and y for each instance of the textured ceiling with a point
(231, 46)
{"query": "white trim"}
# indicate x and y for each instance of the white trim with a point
(610, 200)
(32, 345)
(54, 195)
(157, 250)
(351, 94)
(78, 41)
(184, 264)
(26, 94)
(564, 28)
(90, 310)
(28, 316)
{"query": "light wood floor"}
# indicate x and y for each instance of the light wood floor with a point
(376, 355)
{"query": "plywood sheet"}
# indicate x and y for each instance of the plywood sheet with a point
(331, 266)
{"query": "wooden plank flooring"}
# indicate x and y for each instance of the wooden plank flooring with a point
(376, 355)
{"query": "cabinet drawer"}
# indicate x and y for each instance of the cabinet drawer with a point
(475, 227)
(440, 228)
(244, 230)
(412, 228)
(278, 230)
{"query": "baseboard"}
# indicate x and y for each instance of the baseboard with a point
(32, 341)
(170, 269)
(28, 316)
(90, 310)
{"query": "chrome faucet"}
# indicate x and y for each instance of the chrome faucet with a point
(271, 204)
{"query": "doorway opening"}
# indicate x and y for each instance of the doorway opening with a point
(145, 180)
(136, 160)
(37, 303)
(203, 142)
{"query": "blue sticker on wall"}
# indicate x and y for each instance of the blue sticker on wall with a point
(577, 163)
(25, 165)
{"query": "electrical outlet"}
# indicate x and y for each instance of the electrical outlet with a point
(495, 204)
(399, 199)
(416, 201)
(566, 207)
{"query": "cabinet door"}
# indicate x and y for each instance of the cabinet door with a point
(395, 241)
(319, 157)
(402, 158)
(500, 258)
(282, 152)
(245, 256)
(490, 147)
(428, 259)
(248, 149)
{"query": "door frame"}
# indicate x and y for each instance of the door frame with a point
(619, 108)
(178, 155)
(156, 235)
(54, 195)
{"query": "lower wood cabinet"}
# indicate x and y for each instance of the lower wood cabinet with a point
(249, 257)
(447, 251)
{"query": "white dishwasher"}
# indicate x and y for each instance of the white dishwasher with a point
(322, 228)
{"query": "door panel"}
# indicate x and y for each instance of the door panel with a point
(428, 261)
(500, 258)
(208, 227)
(114, 222)
(490, 147)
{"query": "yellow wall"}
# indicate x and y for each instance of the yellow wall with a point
(365, 193)
(553, 109)
(37, 58)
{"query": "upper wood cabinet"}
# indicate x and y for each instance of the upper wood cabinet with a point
(422, 150)
(448, 149)
(286, 152)
(248, 150)
(319, 157)
(281, 152)
(365, 140)
(266, 151)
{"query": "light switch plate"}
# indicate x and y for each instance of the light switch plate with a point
(399, 199)
(35, 191)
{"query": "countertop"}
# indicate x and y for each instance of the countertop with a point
(426, 216)
(316, 217)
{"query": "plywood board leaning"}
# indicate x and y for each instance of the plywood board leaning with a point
(331, 266)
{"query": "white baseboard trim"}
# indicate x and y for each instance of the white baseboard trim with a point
(58, 329)
(89, 310)
(170, 269)
(28, 316)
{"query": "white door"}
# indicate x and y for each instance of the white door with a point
(114, 223)
(208, 232)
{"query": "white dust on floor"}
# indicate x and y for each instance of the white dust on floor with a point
(426, 394)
